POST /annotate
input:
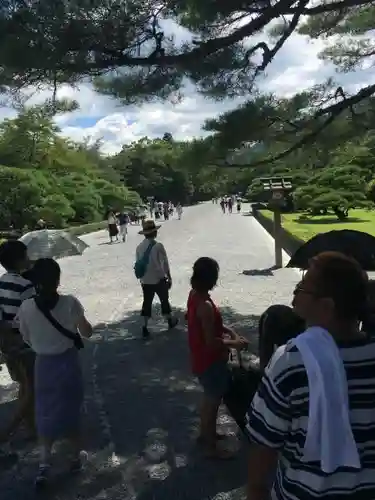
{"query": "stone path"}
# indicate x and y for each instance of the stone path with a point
(140, 412)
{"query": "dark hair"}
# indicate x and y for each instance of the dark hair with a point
(12, 253)
(343, 280)
(205, 274)
(47, 279)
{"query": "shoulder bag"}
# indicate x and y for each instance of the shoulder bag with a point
(140, 267)
(74, 337)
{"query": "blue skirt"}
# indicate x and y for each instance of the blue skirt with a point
(58, 394)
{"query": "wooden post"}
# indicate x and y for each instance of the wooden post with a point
(277, 237)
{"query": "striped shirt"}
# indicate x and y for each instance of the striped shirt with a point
(278, 419)
(14, 289)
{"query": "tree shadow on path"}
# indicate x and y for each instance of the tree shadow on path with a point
(141, 420)
(151, 403)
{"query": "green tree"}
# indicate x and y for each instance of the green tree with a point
(63, 182)
(22, 196)
(336, 189)
(228, 49)
(56, 209)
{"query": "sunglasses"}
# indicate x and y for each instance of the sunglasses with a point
(301, 289)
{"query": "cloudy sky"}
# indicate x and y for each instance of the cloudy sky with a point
(296, 67)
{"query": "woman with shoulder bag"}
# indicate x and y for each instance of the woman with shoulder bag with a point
(53, 325)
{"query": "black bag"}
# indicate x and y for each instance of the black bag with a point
(75, 337)
(243, 386)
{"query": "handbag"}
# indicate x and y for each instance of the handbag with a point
(74, 337)
(242, 388)
(141, 264)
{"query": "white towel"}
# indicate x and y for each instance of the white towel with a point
(329, 435)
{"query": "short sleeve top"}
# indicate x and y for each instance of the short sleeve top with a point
(40, 334)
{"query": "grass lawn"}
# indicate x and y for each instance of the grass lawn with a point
(360, 220)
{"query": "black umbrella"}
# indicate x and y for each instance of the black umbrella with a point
(356, 244)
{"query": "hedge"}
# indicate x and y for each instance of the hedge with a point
(76, 230)
(87, 228)
(289, 242)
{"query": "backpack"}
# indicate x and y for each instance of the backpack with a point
(141, 264)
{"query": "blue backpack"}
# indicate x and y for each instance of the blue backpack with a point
(141, 264)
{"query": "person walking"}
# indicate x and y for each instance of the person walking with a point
(179, 211)
(123, 221)
(112, 227)
(166, 210)
(222, 205)
(153, 271)
(239, 205)
(230, 204)
(52, 324)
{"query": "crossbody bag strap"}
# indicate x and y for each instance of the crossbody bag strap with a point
(147, 253)
(74, 337)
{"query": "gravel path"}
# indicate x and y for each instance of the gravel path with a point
(140, 412)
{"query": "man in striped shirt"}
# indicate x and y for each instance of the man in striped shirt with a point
(14, 289)
(332, 295)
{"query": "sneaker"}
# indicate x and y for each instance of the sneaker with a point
(172, 323)
(42, 476)
(145, 332)
(78, 464)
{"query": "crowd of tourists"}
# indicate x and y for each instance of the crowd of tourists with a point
(118, 222)
(165, 210)
(311, 421)
(227, 203)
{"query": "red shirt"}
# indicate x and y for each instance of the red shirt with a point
(202, 355)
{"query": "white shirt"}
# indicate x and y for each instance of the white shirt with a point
(40, 334)
(158, 265)
(111, 220)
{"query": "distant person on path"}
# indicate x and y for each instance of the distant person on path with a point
(58, 374)
(123, 221)
(152, 269)
(41, 224)
(209, 342)
(179, 211)
(19, 358)
(157, 211)
(112, 227)
(230, 205)
(166, 211)
(311, 423)
(238, 205)
(222, 205)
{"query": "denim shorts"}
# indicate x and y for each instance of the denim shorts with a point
(215, 380)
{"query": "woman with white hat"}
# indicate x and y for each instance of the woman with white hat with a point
(152, 269)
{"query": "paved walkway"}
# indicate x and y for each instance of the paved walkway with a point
(140, 412)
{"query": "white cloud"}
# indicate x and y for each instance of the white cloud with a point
(295, 67)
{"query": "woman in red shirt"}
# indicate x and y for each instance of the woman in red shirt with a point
(209, 342)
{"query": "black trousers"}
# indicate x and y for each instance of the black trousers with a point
(161, 289)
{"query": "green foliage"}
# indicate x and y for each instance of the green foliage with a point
(46, 176)
(335, 174)
(227, 46)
